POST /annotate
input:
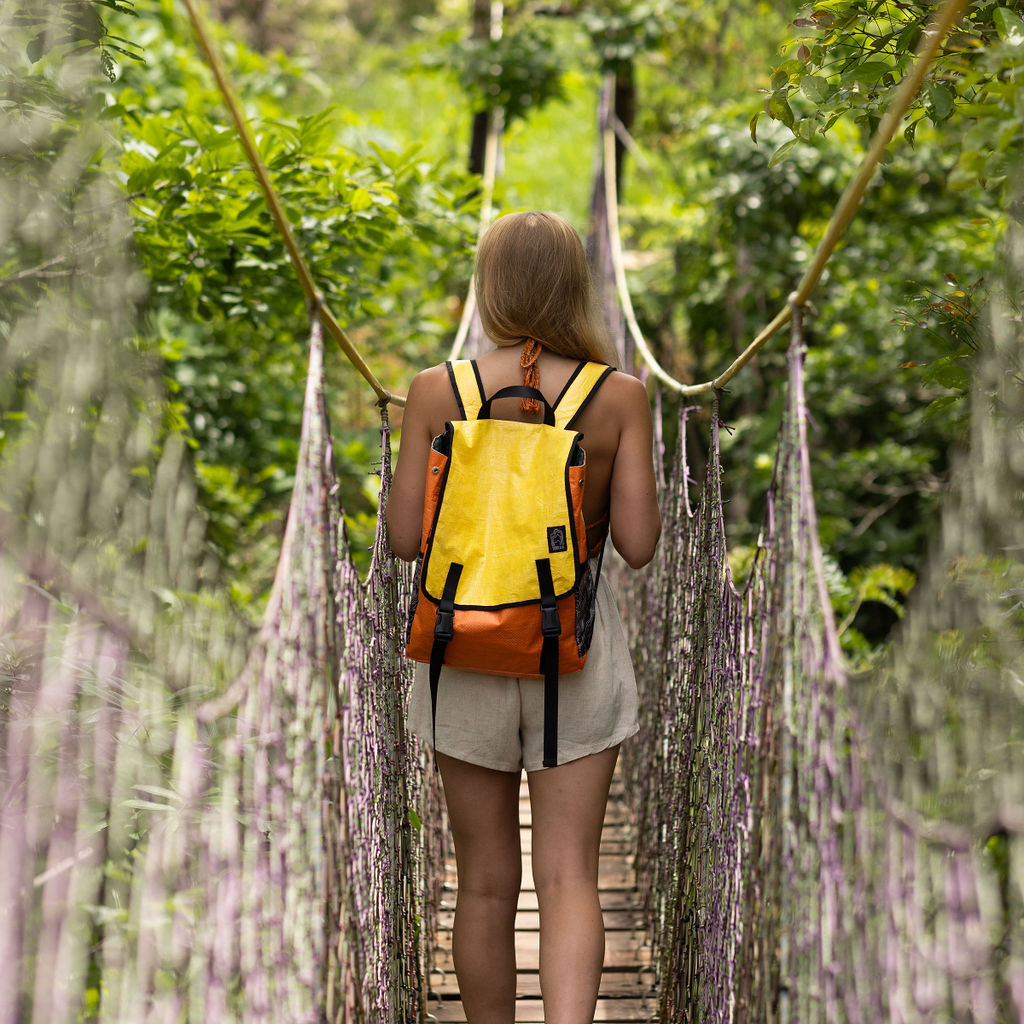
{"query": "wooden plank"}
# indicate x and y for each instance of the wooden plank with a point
(624, 951)
(529, 920)
(531, 1011)
(614, 985)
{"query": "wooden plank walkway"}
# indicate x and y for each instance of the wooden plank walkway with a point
(626, 993)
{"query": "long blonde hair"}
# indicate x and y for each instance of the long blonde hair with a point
(532, 281)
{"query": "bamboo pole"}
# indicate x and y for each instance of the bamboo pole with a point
(843, 214)
(302, 271)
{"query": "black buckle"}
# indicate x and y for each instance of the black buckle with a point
(444, 624)
(549, 621)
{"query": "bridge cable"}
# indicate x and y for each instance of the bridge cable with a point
(843, 214)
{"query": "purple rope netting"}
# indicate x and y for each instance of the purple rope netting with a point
(287, 859)
(785, 877)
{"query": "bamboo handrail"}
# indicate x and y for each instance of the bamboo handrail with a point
(843, 214)
(313, 296)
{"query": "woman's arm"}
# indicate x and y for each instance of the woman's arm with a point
(404, 512)
(633, 513)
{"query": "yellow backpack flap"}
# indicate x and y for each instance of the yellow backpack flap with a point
(504, 548)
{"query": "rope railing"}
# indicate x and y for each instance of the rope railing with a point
(314, 298)
(815, 845)
(844, 212)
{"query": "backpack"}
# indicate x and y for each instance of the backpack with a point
(504, 584)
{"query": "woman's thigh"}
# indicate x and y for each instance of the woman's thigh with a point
(568, 805)
(483, 812)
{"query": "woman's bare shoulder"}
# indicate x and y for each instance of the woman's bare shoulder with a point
(431, 382)
(431, 397)
(625, 395)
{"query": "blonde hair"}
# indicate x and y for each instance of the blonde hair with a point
(532, 281)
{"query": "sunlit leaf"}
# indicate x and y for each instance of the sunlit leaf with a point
(816, 89)
(1009, 26)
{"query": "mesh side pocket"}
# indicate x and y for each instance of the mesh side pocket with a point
(414, 600)
(586, 606)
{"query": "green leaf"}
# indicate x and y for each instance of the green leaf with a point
(940, 102)
(753, 125)
(816, 89)
(908, 37)
(868, 73)
(806, 129)
(782, 152)
(779, 108)
(940, 404)
(361, 200)
(951, 376)
(1009, 26)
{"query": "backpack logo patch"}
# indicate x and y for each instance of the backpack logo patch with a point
(556, 539)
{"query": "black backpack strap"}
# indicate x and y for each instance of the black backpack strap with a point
(444, 630)
(551, 629)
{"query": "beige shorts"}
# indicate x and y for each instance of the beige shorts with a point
(498, 721)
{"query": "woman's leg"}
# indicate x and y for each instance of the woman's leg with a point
(483, 810)
(568, 804)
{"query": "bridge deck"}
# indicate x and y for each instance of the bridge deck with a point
(626, 985)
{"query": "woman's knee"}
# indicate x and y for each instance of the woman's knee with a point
(576, 874)
(498, 884)
(491, 870)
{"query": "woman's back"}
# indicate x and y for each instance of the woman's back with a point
(534, 291)
(616, 428)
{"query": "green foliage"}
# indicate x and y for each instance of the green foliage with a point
(519, 72)
(622, 30)
(851, 55)
(73, 27)
(385, 234)
(950, 316)
(726, 232)
(724, 227)
(52, 172)
(881, 584)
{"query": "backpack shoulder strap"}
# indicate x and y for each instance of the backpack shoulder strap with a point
(578, 390)
(469, 391)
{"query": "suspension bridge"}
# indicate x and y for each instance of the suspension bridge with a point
(222, 824)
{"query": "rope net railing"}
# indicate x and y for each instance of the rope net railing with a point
(199, 820)
(815, 846)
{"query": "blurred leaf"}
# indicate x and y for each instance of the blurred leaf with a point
(781, 153)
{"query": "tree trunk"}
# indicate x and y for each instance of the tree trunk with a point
(481, 120)
(625, 113)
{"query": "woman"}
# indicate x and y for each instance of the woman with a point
(538, 307)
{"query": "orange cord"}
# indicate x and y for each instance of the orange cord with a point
(531, 373)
